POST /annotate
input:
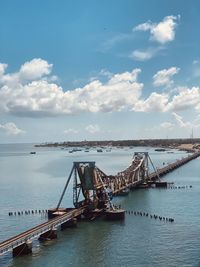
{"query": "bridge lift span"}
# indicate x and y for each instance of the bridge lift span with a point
(94, 189)
(89, 188)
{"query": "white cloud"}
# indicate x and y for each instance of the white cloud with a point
(187, 98)
(196, 72)
(106, 73)
(124, 77)
(43, 98)
(11, 129)
(167, 125)
(188, 125)
(2, 68)
(114, 40)
(144, 26)
(120, 91)
(163, 77)
(30, 70)
(180, 121)
(34, 69)
(197, 107)
(154, 103)
(70, 130)
(195, 68)
(93, 128)
(161, 32)
(195, 61)
(141, 55)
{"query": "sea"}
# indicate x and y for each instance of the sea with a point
(35, 182)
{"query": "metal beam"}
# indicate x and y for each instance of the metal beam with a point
(66, 185)
(154, 168)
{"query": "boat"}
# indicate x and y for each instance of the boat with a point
(32, 152)
(74, 150)
(160, 149)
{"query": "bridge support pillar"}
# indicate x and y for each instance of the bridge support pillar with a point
(23, 249)
(115, 215)
(49, 235)
(69, 224)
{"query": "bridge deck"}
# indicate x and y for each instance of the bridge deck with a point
(131, 183)
(172, 166)
(38, 230)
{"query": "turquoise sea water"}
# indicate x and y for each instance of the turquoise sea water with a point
(36, 182)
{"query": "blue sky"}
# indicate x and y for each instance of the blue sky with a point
(76, 70)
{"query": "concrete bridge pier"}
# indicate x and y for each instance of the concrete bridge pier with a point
(114, 215)
(49, 235)
(23, 249)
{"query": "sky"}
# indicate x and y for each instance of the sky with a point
(99, 70)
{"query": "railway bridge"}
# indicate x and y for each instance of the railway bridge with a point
(92, 197)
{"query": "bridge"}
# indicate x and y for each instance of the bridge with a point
(92, 197)
(19, 241)
(172, 166)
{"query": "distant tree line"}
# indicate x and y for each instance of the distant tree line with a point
(115, 143)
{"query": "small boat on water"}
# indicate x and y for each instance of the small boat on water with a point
(160, 149)
(32, 152)
(74, 150)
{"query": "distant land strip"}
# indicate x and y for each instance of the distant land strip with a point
(188, 144)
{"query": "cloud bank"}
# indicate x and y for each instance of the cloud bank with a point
(28, 93)
(31, 92)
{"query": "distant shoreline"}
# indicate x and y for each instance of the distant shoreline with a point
(189, 145)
